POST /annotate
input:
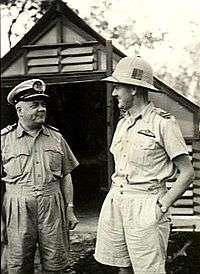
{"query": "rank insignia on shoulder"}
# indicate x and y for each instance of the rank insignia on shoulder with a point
(146, 132)
(8, 129)
(53, 128)
(163, 113)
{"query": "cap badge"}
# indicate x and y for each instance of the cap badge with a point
(38, 86)
(137, 74)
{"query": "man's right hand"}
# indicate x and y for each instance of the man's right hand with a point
(3, 258)
(3, 232)
(71, 218)
(159, 213)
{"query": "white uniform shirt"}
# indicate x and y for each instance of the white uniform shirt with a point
(144, 146)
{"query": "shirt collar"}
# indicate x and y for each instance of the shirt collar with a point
(45, 130)
(143, 114)
(147, 110)
(20, 130)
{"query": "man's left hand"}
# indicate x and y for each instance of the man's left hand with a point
(71, 218)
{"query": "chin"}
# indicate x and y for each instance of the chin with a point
(40, 122)
(122, 107)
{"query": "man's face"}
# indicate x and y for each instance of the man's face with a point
(33, 113)
(124, 95)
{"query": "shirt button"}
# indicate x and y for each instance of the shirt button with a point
(37, 162)
(124, 155)
(121, 185)
(121, 192)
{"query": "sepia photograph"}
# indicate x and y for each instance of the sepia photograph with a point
(100, 137)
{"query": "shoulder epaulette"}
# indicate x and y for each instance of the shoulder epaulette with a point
(8, 129)
(163, 113)
(53, 128)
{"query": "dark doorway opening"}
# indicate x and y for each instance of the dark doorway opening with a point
(79, 111)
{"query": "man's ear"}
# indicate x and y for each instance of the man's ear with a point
(19, 110)
(133, 90)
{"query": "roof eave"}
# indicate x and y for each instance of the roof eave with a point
(61, 9)
(177, 95)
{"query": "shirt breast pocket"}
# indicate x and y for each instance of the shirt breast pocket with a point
(54, 157)
(14, 162)
(148, 143)
(142, 151)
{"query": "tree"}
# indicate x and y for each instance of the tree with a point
(123, 35)
(187, 78)
(15, 11)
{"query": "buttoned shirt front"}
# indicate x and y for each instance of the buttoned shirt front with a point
(37, 160)
(144, 147)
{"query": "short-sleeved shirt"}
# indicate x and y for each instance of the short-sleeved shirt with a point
(144, 147)
(35, 160)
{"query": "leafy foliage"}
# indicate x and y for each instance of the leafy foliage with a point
(124, 35)
(187, 78)
(15, 11)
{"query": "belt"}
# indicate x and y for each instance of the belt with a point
(138, 189)
(33, 190)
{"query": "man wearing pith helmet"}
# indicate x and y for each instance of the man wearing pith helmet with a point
(148, 149)
(38, 202)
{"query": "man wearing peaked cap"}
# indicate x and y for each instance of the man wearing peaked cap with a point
(38, 201)
(27, 90)
(148, 149)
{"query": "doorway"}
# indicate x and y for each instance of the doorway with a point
(79, 111)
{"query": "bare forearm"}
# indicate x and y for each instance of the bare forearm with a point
(67, 189)
(181, 184)
(67, 192)
(178, 188)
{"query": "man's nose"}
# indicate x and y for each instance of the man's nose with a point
(41, 108)
(114, 93)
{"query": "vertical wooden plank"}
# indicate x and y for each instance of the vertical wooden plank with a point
(110, 110)
(98, 51)
(60, 30)
(197, 124)
(196, 183)
(98, 54)
(25, 61)
(59, 26)
(60, 60)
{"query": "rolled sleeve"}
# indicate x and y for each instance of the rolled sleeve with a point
(69, 160)
(173, 140)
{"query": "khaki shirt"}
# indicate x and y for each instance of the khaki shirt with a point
(35, 160)
(143, 148)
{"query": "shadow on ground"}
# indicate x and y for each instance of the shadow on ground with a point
(183, 250)
(183, 255)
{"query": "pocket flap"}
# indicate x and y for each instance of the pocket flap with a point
(9, 154)
(56, 149)
(148, 144)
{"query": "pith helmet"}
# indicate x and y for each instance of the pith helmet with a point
(27, 90)
(133, 71)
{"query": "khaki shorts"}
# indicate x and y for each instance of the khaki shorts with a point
(35, 218)
(129, 232)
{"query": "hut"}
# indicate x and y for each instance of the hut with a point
(71, 58)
